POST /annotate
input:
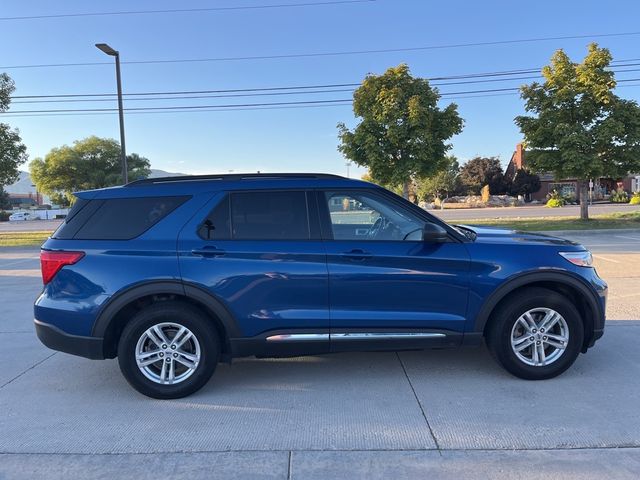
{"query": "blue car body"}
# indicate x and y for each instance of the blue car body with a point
(335, 291)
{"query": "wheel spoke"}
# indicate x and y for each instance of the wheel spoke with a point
(154, 338)
(172, 371)
(557, 338)
(163, 372)
(556, 344)
(531, 323)
(541, 355)
(524, 323)
(158, 331)
(149, 361)
(520, 340)
(523, 345)
(534, 353)
(549, 321)
(147, 354)
(187, 359)
(184, 339)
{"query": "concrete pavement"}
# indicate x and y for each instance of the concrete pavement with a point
(446, 414)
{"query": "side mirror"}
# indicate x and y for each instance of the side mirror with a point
(433, 233)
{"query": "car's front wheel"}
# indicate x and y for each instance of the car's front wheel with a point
(168, 350)
(536, 334)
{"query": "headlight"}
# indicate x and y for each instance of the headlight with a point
(581, 259)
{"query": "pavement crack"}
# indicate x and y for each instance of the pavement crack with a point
(28, 369)
(415, 395)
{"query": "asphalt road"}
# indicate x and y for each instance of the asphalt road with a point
(526, 211)
(441, 414)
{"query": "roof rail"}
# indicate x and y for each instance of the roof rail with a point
(229, 177)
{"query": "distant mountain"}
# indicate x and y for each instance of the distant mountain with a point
(24, 183)
(155, 173)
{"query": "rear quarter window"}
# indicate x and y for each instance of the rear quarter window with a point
(117, 218)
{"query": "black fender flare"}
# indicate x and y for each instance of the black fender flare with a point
(528, 278)
(165, 287)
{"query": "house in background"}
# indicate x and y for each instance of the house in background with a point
(602, 187)
(25, 200)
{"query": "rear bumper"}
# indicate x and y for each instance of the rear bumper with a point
(56, 339)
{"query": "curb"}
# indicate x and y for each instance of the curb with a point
(602, 231)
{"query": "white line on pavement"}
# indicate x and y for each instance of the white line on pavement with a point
(600, 257)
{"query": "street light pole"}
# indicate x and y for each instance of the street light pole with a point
(123, 151)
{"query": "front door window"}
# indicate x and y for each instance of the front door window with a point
(367, 216)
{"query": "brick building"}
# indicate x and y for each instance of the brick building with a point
(602, 186)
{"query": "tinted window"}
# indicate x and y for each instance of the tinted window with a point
(269, 216)
(125, 218)
(366, 216)
(217, 225)
(81, 211)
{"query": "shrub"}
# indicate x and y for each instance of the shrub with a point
(4, 216)
(555, 200)
(635, 200)
(485, 193)
(619, 196)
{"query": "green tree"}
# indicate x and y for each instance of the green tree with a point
(5, 203)
(578, 127)
(525, 183)
(13, 153)
(481, 171)
(90, 163)
(442, 184)
(402, 132)
(60, 199)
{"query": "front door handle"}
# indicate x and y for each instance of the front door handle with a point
(207, 252)
(356, 254)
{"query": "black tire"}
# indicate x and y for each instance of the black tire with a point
(174, 312)
(498, 336)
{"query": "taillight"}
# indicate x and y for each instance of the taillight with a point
(52, 261)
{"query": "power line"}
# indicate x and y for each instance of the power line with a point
(185, 107)
(328, 54)
(271, 91)
(189, 97)
(236, 105)
(344, 103)
(286, 107)
(187, 92)
(185, 10)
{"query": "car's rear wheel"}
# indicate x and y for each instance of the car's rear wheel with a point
(536, 334)
(168, 350)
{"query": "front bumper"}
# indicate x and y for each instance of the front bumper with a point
(56, 339)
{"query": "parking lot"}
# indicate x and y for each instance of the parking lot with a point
(445, 414)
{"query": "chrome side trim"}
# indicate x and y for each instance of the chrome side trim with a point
(299, 337)
(324, 337)
(384, 336)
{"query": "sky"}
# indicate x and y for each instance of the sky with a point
(286, 139)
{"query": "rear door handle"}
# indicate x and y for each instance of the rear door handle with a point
(207, 252)
(356, 254)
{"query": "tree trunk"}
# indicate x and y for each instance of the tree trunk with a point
(405, 189)
(584, 200)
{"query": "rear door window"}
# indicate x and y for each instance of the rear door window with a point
(274, 215)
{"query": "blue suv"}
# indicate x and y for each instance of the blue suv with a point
(173, 275)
